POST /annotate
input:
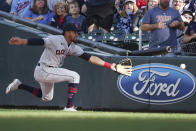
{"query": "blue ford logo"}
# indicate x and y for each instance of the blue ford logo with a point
(157, 84)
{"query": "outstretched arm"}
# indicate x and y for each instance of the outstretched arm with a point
(30, 41)
(97, 61)
(120, 68)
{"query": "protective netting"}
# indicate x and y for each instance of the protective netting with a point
(189, 49)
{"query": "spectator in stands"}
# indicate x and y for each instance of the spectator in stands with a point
(119, 5)
(140, 13)
(126, 20)
(152, 4)
(178, 5)
(75, 17)
(118, 10)
(51, 3)
(61, 11)
(39, 12)
(187, 17)
(100, 14)
(162, 21)
(19, 7)
(81, 4)
(190, 34)
(5, 5)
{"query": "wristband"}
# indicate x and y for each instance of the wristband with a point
(107, 65)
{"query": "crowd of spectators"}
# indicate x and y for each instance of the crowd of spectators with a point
(89, 15)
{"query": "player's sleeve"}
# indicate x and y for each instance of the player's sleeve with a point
(85, 56)
(35, 41)
(76, 50)
(49, 41)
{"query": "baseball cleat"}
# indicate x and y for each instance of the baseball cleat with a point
(69, 109)
(13, 86)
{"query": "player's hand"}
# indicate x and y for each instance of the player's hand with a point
(17, 41)
(160, 25)
(174, 24)
(124, 67)
(113, 67)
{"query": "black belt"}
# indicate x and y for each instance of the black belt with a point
(38, 64)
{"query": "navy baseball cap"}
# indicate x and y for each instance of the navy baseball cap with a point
(70, 27)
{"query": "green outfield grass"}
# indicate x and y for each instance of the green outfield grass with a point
(53, 120)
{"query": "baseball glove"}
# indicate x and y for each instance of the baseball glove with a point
(124, 67)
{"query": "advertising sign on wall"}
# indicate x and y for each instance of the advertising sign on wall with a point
(158, 84)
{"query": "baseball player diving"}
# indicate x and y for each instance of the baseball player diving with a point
(48, 70)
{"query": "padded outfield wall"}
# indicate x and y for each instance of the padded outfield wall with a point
(157, 83)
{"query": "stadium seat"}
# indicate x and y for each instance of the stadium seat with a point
(96, 35)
